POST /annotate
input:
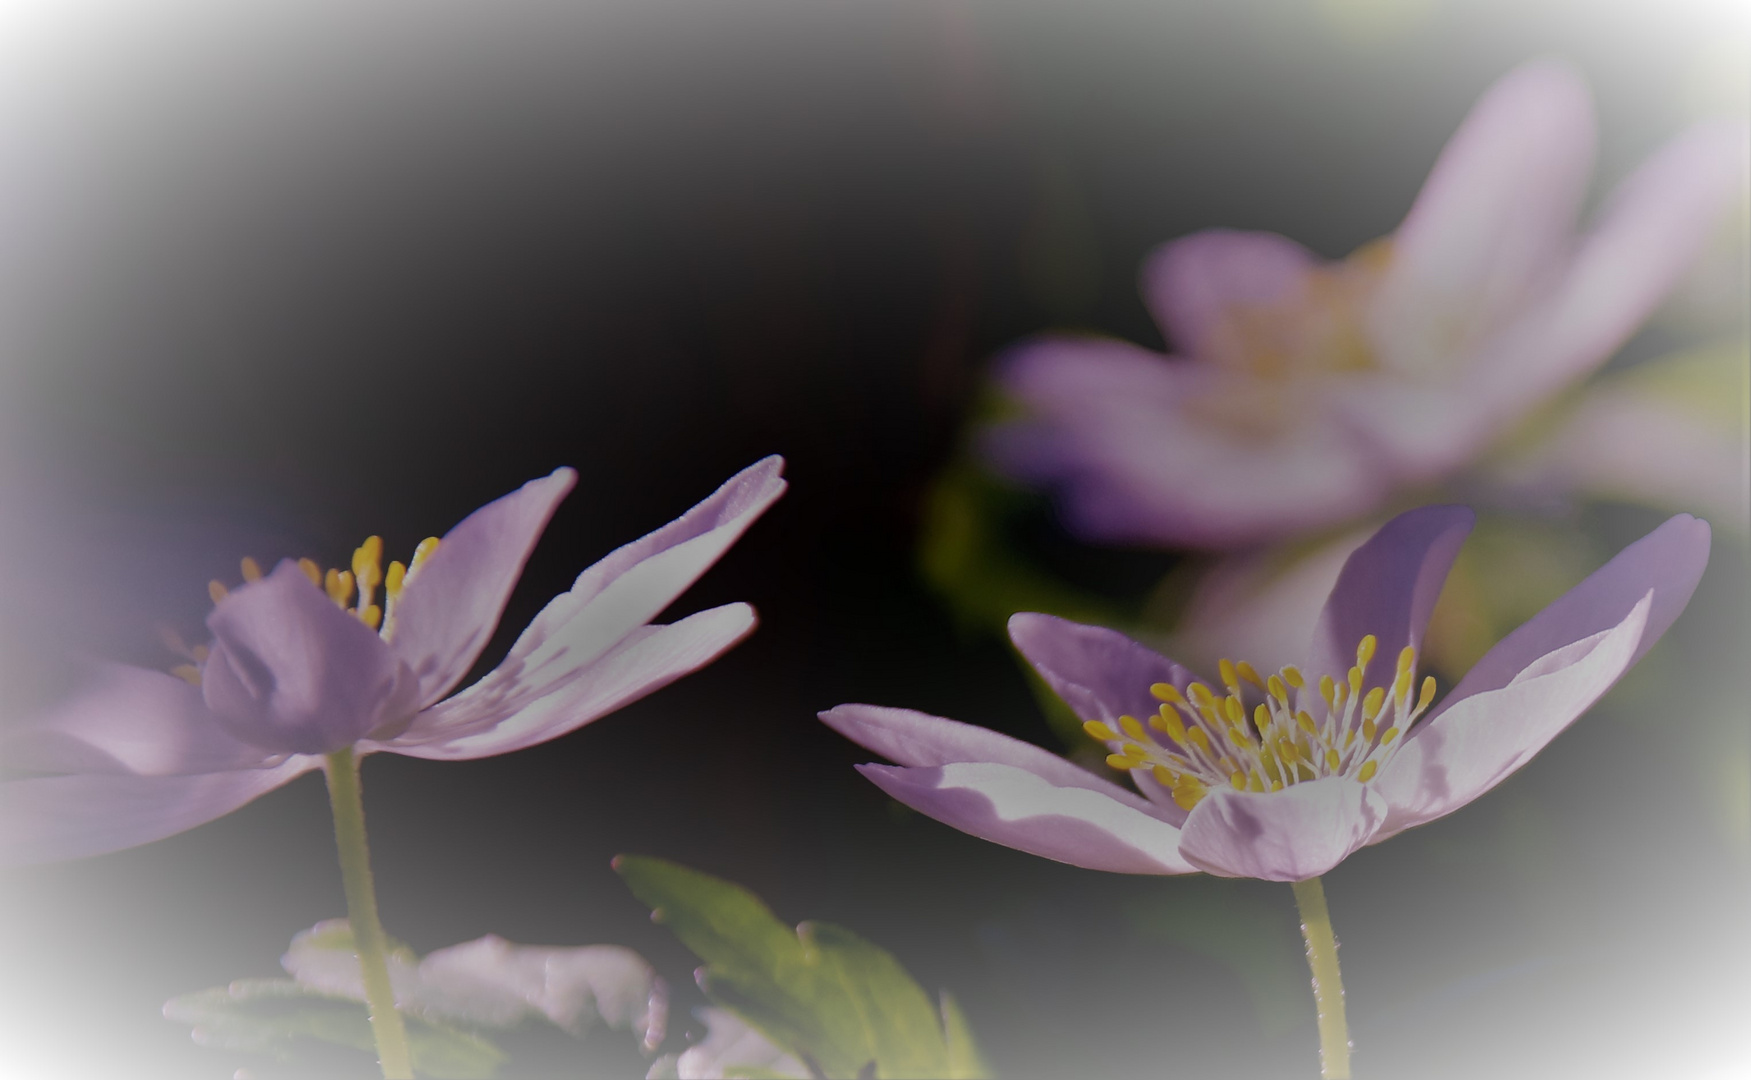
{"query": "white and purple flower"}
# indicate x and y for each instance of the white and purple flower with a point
(1282, 776)
(293, 673)
(1308, 394)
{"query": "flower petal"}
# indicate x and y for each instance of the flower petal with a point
(1669, 561)
(1017, 808)
(1473, 746)
(1490, 227)
(1388, 588)
(290, 671)
(1289, 835)
(47, 818)
(1190, 284)
(515, 707)
(1652, 230)
(127, 720)
(733, 1047)
(1100, 673)
(497, 983)
(449, 609)
(921, 740)
(633, 584)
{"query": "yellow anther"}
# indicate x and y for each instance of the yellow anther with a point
(1132, 728)
(421, 554)
(1249, 673)
(1355, 682)
(1369, 768)
(394, 580)
(1368, 729)
(311, 571)
(1391, 734)
(1365, 650)
(1328, 690)
(1197, 735)
(1233, 709)
(1255, 782)
(339, 586)
(368, 563)
(188, 673)
(1237, 736)
(1305, 720)
(1428, 693)
(1278, 690)
(1100, 731)
(251, 569)
(1288, 751)
(1119, 762)
(1164, 776)
(1166, 692)
(1188, 793)
(1200, 694)
(372, 616)
(1171, 724)
(1225, 668)
(1238, 780)
(1371, 704)
(1276, 785)
(199, 652)
(1401, 688)
(1261, 718)
(217, 590)
(1331, 759)
(1407, 658)
(1292, 676)
(1134, 752)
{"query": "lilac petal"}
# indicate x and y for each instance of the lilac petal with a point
(1669, 561)
(921, 740)
(516, 707)
(290, 671)
(1100, 673)
(634, 583)
(732, 1047)
(449, 608)
(1652, 230)
(1192, 283)
(1289, 835)
(497, 983)
(1388, 588)
(127, 720)
(1491, 226)
(47, 818)
(1020, 809)
(1473, 746)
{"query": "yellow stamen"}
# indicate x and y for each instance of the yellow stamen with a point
(1328, 690)
(1197, 735)
(1369, 768)
(1407, 658)
(1164, 776)
(1391, 734)
(199, 652)
(394, 580)
(1200, 695)
(339, 586)
(1331, 759)
(311, 571)
(1255, 782)
(251, 570)
(1119, 762)
(1278, 690)
(217, 590)
(188, 673)
(1368, 729)
(1238, 780)
(1131, 727)
(421, 553)
(1305, 720)
(372, 616)
(1249, 673)
(367, 563)
(1365, 651)
(1428, 693)
(1225, 668)
(1261, 719)
(1371, 704)
(1233, 710)
(1355, 681)
(1188, 793)
(1401, 688)
(1292, 676)
(1100, 731)
(1172, 725)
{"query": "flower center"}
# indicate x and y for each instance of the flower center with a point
(1295, 731)
(365, 576)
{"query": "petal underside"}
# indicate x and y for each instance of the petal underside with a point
(1289, 835)
(449, 608)
(1022, 810)
(1100, 673)
(48, 818)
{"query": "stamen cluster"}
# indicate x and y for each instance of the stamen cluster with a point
(1294, 731)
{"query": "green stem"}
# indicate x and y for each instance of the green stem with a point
(1328, 984)
(344, 799)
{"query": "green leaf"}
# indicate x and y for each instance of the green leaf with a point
(276, 1016)
(965, 1062)
(821, 992)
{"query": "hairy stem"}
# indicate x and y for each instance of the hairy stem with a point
(1328, 984)
(342, 769)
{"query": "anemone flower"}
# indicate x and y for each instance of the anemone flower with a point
(1282, 776)
(306, 670)
(1307, 394)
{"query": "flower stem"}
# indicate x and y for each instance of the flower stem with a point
(1328, 985)
(342, 769)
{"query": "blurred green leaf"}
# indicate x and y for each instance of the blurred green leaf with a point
(965, 1062)
(274, 1016)
(821, 992)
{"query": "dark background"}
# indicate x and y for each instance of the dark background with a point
(280, 280)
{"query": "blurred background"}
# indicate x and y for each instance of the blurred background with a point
(277, 277)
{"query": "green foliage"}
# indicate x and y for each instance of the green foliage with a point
(275, 1016)
(837, 1002)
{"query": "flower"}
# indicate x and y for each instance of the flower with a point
(1308, 394)
(1282, 776)
(293, 674)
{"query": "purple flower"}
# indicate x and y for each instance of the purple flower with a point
(293, 673)
(1282, 776)
(1306, 394)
